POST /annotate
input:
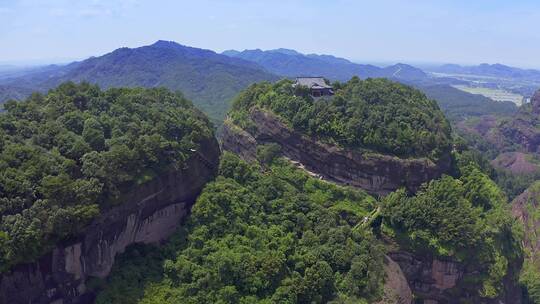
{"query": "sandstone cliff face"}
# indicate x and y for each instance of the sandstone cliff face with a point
(429, 278)
(149, 214)
(377, 174)
(396, 287)
(443, 281)
(516, 163)
(410, 276)
(523, 131)
(526, 208)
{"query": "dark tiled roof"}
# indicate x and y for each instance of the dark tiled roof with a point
(312, 82)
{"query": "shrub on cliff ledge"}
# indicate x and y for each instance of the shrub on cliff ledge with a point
(69, 154)
(375, 114)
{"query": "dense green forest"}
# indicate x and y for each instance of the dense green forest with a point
(483, 151)
(262, 232)
(458, 105)
(375, 114)
(271, 236)
(67, 155)
(530, 275)
(269, 233)
(466, 218)
(512, 184)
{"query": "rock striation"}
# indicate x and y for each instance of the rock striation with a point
(376, 173)
(526, 208)
(435, 280)
(396, 287)
(411, 276)
(149, 213)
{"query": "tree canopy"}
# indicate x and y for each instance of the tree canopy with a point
(374, 114)
(70, 154)
(466, 218)
(276, 236)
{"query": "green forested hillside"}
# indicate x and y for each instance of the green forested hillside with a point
(467, 218)
(209, 79)
(8, 92)
(67, 155)
(279, 236)
(458, 105)
(375, 114)
(276, 236)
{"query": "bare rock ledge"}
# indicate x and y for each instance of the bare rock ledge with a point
(377, 174)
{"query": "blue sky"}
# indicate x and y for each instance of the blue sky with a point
(468, 32)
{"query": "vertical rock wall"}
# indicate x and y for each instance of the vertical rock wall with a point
(149, 214)
(375, 173)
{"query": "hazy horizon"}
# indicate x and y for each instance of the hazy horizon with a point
(389, 31)
(380, 63)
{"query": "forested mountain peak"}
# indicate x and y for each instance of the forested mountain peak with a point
(165, 51)
(374, 114)
(73, 153)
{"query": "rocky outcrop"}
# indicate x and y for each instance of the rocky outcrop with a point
(376, 173)
(516, 163)
(519, 132)
(523, 130)
(429, 278)
(396, 287)
(526, 208)
(444, 281)
(149, 213)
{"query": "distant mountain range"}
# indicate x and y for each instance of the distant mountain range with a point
(209, 79)
(456, 104)
(291, 63)
(212, 80)
(13, 92)
(492, 70)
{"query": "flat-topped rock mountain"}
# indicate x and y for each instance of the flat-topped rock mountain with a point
(376, 173)
(267, 114)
